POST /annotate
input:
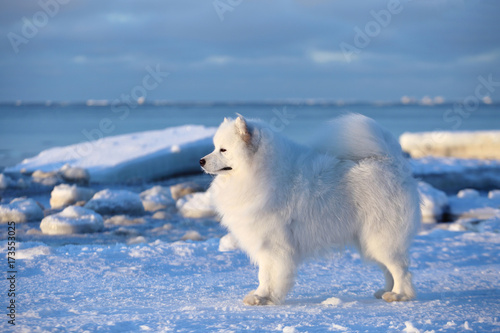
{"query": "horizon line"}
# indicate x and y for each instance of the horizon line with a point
(263, 102)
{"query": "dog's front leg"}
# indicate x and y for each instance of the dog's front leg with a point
(276, 277)
(262, 295)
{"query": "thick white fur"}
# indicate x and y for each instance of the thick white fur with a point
(284, 202)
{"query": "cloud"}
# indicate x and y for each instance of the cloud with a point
(324, 57)
(484, 57)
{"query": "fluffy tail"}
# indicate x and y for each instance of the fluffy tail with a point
(355, 137)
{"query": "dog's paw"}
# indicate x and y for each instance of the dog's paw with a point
(379, 293)
(252, 299)
(390, 296)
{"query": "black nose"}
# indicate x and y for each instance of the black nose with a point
(202, 162)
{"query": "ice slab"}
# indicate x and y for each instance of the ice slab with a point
(139, 156)
(462, 144)
(453, 174)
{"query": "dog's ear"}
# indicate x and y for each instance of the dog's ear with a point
(242, 128)
(226, 120)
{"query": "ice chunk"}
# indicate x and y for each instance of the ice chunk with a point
(196, 205)
(65, 195)
(124, 220)
(468, 204)
(50, 178)
(72, 220)
(74, 174)
(228, 243)
(136, 240)
(332, 301)
(468, 193)
(131, 157)
(410, 328)
(157, 198)
(161, 215)
(21, 210)
(182, 189)
(5, 181)
(192, 235)
(111, 202)
(464, 144)
(495, 195)
(43, 174)
(433, 203)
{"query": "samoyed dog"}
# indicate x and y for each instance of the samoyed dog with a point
(284, 202)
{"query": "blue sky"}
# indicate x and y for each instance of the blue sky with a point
(72, 50)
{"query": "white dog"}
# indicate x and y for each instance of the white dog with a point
(284, 202)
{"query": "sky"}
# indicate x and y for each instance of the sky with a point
(248, 50)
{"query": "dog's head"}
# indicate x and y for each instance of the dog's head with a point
(233, 141)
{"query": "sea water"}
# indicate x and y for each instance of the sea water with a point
(26, 130)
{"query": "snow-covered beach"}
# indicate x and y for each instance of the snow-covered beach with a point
(109, 238)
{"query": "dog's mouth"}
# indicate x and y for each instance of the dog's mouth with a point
(226, 169)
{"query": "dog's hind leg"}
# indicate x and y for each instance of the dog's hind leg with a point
(394, 263)
(402, 289)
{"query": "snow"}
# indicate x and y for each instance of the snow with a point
(463, 144)
(132, 157)
(33, 252)
(20, 210)
(108, 202)
(191, 286)
(72, 220)
(64, 195)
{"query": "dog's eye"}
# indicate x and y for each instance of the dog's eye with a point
(222, 150)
